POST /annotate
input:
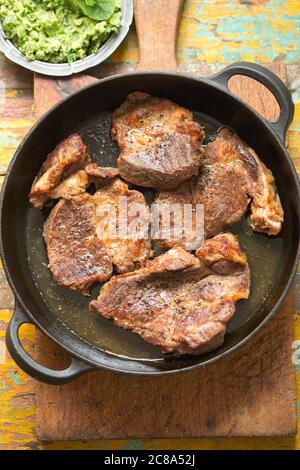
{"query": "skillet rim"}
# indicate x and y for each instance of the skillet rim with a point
(267, 125)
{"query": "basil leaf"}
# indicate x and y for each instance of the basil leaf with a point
(101, 10)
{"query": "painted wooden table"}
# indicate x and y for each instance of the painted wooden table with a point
(212, 33)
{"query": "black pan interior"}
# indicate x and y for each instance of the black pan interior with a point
(64, 313)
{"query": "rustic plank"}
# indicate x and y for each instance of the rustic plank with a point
(16, 104)
(13, 76)
(48, 91)
(157, 37)
(264, 103)
(228, 31)
(222, 32)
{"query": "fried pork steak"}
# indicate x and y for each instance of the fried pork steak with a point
(131, 247)
(179, 301)
(81, 246)
(100, 175)
(160, 142)
(68, 157)
(67, 172)
(230, 178)
(77, 258)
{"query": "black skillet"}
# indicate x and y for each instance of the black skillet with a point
(63, 315)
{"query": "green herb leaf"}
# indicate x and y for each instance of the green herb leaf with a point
(97, 9)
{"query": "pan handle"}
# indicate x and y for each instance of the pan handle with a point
(32, 367)
(272, 82)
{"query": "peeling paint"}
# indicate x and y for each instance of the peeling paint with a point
(134, 445)
(231, 30)
(15, 377)
(212, 32)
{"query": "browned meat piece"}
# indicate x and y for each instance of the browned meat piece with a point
(231, 177)
(78, 182)
(68, 156)
(81, 246)
(165, 164)
(159, 141)
(132, 249)
(77, 258)
(72, 186)
(101, 175)
(266, 212)
(180, 302)
(146, 116)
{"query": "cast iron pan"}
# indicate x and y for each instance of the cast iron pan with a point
(63, 315)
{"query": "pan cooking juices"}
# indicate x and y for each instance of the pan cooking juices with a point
(59, 31)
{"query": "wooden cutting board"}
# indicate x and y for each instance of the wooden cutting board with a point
(250, 393)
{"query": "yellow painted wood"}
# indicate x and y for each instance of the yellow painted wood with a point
(212, 31)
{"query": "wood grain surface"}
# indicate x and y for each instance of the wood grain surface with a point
(49, 91)
(156, 24)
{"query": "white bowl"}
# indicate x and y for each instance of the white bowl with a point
(62, 70)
